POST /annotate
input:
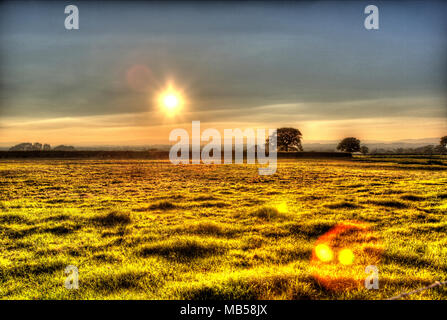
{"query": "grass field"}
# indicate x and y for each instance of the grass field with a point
(152, 230)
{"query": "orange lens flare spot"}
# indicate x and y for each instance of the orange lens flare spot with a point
(341, 254)
(324, 253)
(346, 257)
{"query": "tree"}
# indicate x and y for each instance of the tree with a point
(443, 142)
(364, 149)
(288, 139)
(349, 145)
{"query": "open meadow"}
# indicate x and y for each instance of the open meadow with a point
(142, 229)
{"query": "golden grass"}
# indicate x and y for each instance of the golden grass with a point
(152, 230)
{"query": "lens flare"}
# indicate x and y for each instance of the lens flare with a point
(139, 78)
(324, 253)
(341, 255)
(346, 257)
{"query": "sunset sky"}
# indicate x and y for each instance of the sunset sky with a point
(310, 65)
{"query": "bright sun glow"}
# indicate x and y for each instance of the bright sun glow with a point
(170, 101)
(324, 253)
(346, 257)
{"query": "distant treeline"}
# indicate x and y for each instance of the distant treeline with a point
(424, 150)
(143, 154)
(37, 146)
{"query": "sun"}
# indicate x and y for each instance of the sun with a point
(170, 101)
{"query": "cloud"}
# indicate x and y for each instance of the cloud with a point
(252, 64)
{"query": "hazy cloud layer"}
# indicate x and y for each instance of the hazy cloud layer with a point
(254, 63)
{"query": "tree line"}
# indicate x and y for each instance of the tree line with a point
(289, 139)
(36, 146)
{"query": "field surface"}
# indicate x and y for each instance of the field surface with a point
(152, 230)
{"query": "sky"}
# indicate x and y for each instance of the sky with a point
(310, 65)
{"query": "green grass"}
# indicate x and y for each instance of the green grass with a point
(152, 230)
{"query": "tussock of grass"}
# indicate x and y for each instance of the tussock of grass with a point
(183, 249)
(268, 213)
(113, 219)
(209, 228)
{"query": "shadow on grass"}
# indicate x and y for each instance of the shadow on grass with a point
(205, 198)
(59, 217)
(412, 197)
(389, 203)
(411, 261)
(18, 234)
(207, 228)
(182, 249)
(112, 219)
(61, 230)
(310, 231)
(21, 233)
(130, 280)
(343, 205)
(13, 218)
(216, 204)
(28, 269)
(253, 288)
